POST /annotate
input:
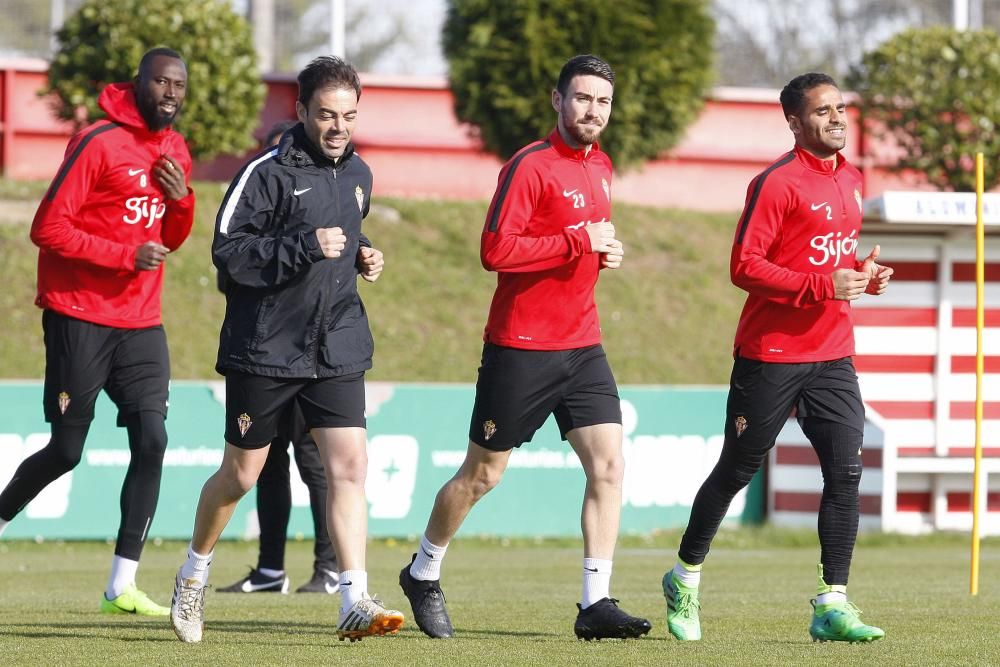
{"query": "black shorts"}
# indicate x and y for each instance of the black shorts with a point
(257, 405)
(762, 396)
(517, 390)
(81, 358)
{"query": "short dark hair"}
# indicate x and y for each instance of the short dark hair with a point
(793, 95)
(147, 58)
(327, 72)
(277, 130)
(586, 64)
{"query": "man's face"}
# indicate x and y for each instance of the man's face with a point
(329, 119)
(584, 109)
(160, 90)
(821, 129)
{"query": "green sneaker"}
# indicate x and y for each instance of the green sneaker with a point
(840, 622)
(132, 601)
(682, 609)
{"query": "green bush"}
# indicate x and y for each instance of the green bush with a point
(103, 42)
(935, 93)
(505, 57)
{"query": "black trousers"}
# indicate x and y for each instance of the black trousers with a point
(829, 409)
(274, 494)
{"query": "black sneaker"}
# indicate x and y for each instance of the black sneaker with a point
(604, 620)
(323, 581)
(255, 582)
(427, 601)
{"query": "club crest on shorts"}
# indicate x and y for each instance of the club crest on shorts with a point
(63, 402)
(489, 429)
(741, 425)
(359, 194)
(244, 422)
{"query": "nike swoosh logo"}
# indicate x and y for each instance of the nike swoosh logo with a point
(576, 226)
(347, 583)
(135, 172)
(299, 192)
(331, 589)
(427, 554)
(249, 587)
(817, 207)
(590, 569)
(569, 193)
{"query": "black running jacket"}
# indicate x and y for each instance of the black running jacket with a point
(290, 311)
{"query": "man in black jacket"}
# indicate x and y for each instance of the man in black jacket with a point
(288, 239)
(274, 492)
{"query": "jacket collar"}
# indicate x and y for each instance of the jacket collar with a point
(813, 163)
(297, 150)
(566, 150)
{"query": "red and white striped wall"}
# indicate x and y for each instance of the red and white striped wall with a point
(916, 347)
(795, 483)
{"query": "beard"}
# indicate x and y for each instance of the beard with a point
(161, 120)
(584, 134)
(155, 117)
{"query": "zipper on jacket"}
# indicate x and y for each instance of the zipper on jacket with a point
(320, 334)
(840, 193)
(590, 187)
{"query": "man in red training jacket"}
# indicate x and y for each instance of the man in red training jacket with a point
(118, 205)
(548, 233)
(794, 255)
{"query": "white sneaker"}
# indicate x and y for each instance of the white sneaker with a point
(187, 609)
(368, 618)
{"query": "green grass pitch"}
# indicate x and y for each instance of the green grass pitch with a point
(512, 603)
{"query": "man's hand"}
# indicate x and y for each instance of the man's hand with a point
(848, 284)
(331, 241)
(613, 258)
(602, 237)
(170, 176)
(370, 263)
(150, 255)
(878, 275)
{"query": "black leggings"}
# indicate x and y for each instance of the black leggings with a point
(147, 441)
(838, 447)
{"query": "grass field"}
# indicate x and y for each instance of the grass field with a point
(512, 604)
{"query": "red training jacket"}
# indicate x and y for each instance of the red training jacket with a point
(534, 238)
(801, 222)
(102, 205)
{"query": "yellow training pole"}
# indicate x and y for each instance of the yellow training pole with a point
(980, 322)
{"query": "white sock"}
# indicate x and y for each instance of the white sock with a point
(268, 572)
(353, 587)
(596, 581)
(3, 525)
(688, 575)
(427, 565)
(832, 596)
(196, 566)
(122, 574)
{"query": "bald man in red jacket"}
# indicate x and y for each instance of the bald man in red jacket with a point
(119, 204)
